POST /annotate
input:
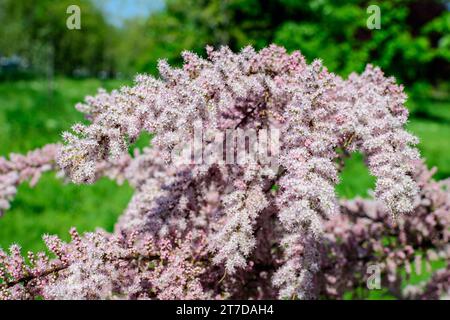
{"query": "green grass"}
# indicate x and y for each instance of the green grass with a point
(33, 114)
(434, 143)
(355, 178)
(53, 208)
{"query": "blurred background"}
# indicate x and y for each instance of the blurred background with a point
(45, 69)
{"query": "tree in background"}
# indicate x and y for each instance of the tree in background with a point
(413, 42)
(37, 32)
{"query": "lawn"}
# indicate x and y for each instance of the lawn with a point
(33, 114)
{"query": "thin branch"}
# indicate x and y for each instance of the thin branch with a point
(28, 278)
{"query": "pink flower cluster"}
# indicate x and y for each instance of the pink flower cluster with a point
(364, 235)
(243, 230)
(104, 266)
(20, 168)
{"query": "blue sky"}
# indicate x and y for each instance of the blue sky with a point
(119, 10)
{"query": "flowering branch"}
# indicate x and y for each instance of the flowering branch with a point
(191, 223)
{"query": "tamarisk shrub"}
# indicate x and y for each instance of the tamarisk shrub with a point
(242, 230)
(20, 168)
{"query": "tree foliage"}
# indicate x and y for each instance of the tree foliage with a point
(37, 32)
(412, 44)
